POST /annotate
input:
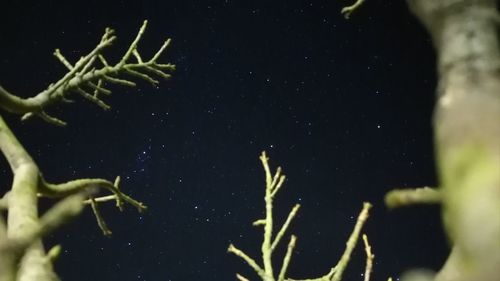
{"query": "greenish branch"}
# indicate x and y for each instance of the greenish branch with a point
(85, 74)
(100, 220)
(351, 243)
(241, 277)
(273, 183)
(335, 273)
(13, 248)
(283, 229)
(348, 10)
(22, 254)
(287, 258)
(64, 189)
(251, 262)
(404, 197)
(369, 258)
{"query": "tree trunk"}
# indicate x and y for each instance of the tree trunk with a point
(467, 132)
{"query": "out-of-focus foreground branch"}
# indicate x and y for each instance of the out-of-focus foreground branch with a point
(348, 10)
(22, 255)
(89, 76)
(274, 183)
(467, 134)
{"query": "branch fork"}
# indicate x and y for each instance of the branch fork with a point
(274, 182)
(89, 76)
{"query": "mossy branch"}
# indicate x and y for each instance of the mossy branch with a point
(22, 256)
(283, 229)
(64, 189)
(13, 248)
(369, 258)
(100, 220)
(90, 72)
(287, 258)
(251, 262)
(404, 197)
(351, 243)
(273, 183)
(348, 10)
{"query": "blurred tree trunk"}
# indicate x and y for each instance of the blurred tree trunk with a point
(467, 132)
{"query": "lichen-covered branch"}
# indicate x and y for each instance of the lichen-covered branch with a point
(63, 189)
(283, 229)
(273, 185)
(90, 74)
(269, 244)
(351, 243)
(24, 229)
(369, 258)
(22, 255)
(21, 201)
(337, 271)
(348, 10)
(410, 196)
(251, 262)
(46, 189)
(27, 249)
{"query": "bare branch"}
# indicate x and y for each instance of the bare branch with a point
(160, 51)
(273, 183)
(347, 11)
(100, 220)
(50, 119)
(60, 190)
(241, 277)
(283, 229)
(133, 46)
(247, 259)
(404, 197)
(100, 199)
(369, 258)
(287, 258)
(351, 242)
(93, 99)
(61, 213)
(142, 76)
(86, 73)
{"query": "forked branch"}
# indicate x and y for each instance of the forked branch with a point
(266, 273)
(89, 76)
(46, 189)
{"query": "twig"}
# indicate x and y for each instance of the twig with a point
(85, 73)
(369, 258)
(348, 10)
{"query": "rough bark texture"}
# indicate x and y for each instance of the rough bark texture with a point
(467, 132)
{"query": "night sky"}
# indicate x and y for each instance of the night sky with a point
(344, 106)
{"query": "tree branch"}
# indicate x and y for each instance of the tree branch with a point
(273, 183)
(86, 74)
(348, 10)
(404, 197)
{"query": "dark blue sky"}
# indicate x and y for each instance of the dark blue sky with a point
(344, 106)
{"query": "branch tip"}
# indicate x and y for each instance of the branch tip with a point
(348, 10)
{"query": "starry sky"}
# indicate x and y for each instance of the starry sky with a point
(344, 106)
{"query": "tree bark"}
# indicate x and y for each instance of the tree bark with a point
(22, 217)
(467, 132)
